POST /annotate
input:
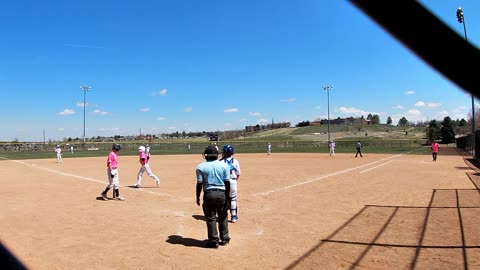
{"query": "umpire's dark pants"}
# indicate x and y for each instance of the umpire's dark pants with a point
(215, 204)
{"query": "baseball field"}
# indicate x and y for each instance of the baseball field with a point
(297, 211)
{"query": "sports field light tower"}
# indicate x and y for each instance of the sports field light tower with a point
(84, 89)
(328, 88)
(461, 19)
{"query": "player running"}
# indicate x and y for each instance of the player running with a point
(143, 159)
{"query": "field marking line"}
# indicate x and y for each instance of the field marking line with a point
(80, 177)
(376, 167)
(329, 175)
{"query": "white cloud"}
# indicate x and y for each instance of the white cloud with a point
(397, 107)
(354, 111)
(161, 92)
(231, 110)
(100, 112)
(433, 105)
(428, 105)
(243, 120)
(420, 104)
(188, 109)
(263, 121)
(172, 128)
(60, 129)
(67, 112)
(461, 109)
(254, 114)
(288, 100)
(161, 118)
(81, 104)
(410, 92)
(443, 114)
(144, 109)
(413, 113)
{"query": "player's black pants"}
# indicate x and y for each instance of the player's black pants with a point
(215, 205)
(358, 152)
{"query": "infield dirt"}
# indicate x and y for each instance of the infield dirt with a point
(297, 211)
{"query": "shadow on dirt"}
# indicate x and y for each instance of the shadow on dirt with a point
(444, 234)
(188, 242)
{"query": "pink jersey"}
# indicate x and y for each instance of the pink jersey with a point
(112, 160)
(435, 147)
(143, 158)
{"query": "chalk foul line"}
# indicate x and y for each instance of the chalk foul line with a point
(331, 174)
(78, 176)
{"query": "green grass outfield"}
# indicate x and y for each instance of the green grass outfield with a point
(130, 148)
(313, 139)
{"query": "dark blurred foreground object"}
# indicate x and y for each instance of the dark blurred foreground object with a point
(429, 38)
(8, 261)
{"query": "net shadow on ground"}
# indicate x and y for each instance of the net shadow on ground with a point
(443, 235)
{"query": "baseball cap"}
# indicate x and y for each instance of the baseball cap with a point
(210, 151)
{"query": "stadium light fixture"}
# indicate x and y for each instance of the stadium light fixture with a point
(461, 19)
(84, 89)
(328, 88)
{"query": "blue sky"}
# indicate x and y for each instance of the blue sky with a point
(165, 66)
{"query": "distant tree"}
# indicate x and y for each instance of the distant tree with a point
(369, 117)
(433, 130)
(447, 132)
(303, 124)
(389, 120)
(403, 122)
(375, 119)
(360, 123)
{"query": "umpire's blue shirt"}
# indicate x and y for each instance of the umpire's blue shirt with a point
(213, 174)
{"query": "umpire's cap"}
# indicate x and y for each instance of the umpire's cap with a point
(210, 152)
(116, 147)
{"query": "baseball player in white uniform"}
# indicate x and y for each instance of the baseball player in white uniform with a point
(58, 150)
(143, 159)
(234, 165)
(332, 146)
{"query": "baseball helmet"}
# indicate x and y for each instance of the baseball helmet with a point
(141, 148)
(117, 147)
(228, 149)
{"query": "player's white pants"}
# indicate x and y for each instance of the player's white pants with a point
(146, 168)
(59, 158)
(233, 197)
(332, 152)
(112, 181)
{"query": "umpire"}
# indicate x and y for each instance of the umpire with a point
(213, 177)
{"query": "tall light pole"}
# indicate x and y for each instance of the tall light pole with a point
(328, 88)
(461, 19)
(84, 89)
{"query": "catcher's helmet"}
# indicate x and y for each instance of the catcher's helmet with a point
(141, 148)
(116, 147)
(228, 149)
